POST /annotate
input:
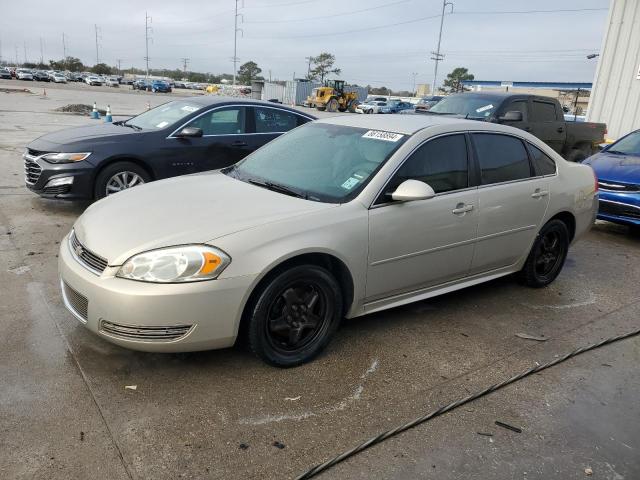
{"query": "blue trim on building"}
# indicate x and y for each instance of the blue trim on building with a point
(557, 85)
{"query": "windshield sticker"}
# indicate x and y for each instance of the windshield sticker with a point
(162, 124)
(189, 108)
(381, 135)
(486, 107)
(350, 183)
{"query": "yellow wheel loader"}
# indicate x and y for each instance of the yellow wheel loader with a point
(332, 97)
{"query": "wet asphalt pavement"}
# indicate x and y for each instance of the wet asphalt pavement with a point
(65, 412)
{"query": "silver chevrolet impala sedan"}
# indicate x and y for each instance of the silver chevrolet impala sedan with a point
(338, 218)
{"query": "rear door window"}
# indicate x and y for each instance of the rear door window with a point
(501, 158)
(542, 163)
(274, 120)
(544, 111)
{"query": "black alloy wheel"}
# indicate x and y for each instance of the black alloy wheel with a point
(295, 315)
(547, 255)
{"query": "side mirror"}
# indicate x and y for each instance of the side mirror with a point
(410, 190)
(513, 116)
(189, 132)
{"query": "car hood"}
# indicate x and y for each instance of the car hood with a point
(616, 168)
(183, 210)
(104, 132)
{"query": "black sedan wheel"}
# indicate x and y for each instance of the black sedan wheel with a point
(119, 176)
(294, 316)
(547, 256)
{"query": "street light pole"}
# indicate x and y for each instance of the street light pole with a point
(235, 40)
(413, 92)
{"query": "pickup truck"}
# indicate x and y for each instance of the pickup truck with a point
(540, 116)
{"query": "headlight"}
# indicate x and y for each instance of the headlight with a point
(190, 263)
(65, 157)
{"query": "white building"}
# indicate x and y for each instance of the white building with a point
(615, 98)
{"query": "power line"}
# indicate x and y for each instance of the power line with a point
(344, 32)
(517, 12)
(342, 14)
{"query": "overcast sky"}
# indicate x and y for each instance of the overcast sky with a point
(279, 34)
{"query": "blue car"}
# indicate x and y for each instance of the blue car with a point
(618, 170)
(396, 106)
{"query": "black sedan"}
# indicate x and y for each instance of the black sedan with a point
(180, 137)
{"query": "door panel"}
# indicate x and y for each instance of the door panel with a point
(546, 125)
(426, 242)
(511, 202)
(224, 142)
(419, 244)
(510, 215)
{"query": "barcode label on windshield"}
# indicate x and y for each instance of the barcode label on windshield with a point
(382, 135)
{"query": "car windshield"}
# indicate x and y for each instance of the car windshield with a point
(319, 161)
(164, 115)
(629, 145)
(469, 106)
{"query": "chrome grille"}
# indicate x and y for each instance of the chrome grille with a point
(76, 302)
(92, 261)
(32, 171)
(617, 186)
(608, 207)
(35, 153)
(134, 332)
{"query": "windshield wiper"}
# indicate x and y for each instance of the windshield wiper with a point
(131, 125)
(615, 152)
(278, 188)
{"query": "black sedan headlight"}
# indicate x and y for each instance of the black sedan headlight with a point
(65, 157)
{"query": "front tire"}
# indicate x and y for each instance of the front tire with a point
(547, 255)
(294, 316)
(117, 177)
(333, 105)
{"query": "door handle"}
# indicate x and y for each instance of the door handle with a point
(239, 143)
(461, 209)
(560, 129)
(539, 193)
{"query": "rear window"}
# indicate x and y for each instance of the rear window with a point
(502, 158)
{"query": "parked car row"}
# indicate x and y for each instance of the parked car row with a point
(152, 85)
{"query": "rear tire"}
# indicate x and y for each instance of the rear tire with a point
(129, 174)
(294, 316)
(547, 255)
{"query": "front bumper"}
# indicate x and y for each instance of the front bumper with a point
(617, 207)
(153, 317)
(38, 173)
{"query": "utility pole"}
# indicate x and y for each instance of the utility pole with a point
(119, 62)
(437, 56)
(309, 59)
(185, 62)
(41, 52)
(235, 39)
(16, 54)
(147, 29)
(414, 75)
(97, 45)
(25, 51)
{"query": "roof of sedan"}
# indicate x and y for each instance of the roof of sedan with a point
(216, 99)
(407, 124)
